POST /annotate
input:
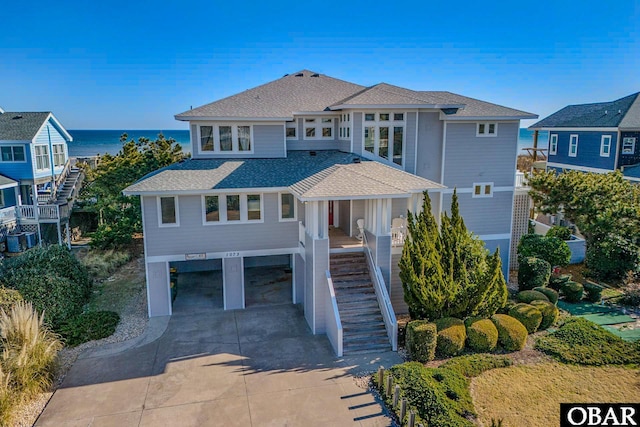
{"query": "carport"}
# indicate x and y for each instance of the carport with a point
(268, 280)
(199, 284)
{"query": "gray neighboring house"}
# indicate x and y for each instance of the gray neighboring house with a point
(317, 174)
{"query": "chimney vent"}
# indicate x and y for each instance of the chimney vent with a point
(299, 75)
(356, 160)
(315, 75)
(312, 153)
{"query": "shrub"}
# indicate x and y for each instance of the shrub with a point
(101, 264)
(533, 295)
(593, 291)
(29, 350)
(451, 336)
(611, 257)
(512, 334)
(482, 335)
(8, 297)
(551, 249)
(556, 282)
(528, 315)
(93, 325)
(631, 294)
(572, 291)
(421, 340)
(582, 342)
(549, 313)
(440, 396)
(475, 364)
(552, 295)
(559, 231)
(533, 272)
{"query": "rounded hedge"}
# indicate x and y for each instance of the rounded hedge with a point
(593, 292)
(528, 315)
(512, 335)
(482, 335)
(528, 296)
(572, 291)
(549, 313)
(421, 340)
(559, 231)
(552, 295)
(93, 325)
(556, 281)
(551, 249)
(451, 336)
(533, 272)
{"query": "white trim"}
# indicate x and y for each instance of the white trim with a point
(10, 185)
(553, 137)
(570, 129)
(291, 125)
(177, 211)
(220, 255)
(395, 106)
(390, 124)
(318, 127)
(293, 278)
(602, 145)
(486, 133)
(231, 119)
(206, 191)
(204, 209)
(224, 293)
(169, 288)
(35, 157)
(572, 138)
(504, 236)
(469, 190)
(633, 141)
(146, 258)
(577, 167)
(350, 218)
(12, 146)
(365, 197)
(295, 208)
(314, 113)
(244, 303)
(56, 122)
(618, 148)
(235, 143)
(442, 164)
(415, 148)
(483, 188)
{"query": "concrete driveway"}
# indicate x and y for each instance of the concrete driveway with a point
(253, 367)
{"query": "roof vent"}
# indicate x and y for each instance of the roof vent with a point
(605, 112)
(286, 75)
(299, 75)
(619, 111)
(356, 160)
(16, 117)
(312, 153)
(315, 75)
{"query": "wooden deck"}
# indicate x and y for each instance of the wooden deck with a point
(339, 241)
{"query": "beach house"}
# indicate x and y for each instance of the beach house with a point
(316, 174)
(599, 137)
(37, 182)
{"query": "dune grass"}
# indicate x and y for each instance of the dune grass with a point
(530, 395)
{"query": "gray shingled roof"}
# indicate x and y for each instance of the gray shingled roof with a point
(600, 114)
(327, 174)
(20, 126)
(301, 92)
(631, 120)
(6, 182)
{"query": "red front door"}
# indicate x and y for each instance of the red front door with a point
(330, 212)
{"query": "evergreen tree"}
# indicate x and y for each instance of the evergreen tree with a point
(449, 272)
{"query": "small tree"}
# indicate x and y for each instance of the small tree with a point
(448, 272)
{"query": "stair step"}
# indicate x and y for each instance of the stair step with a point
(356, 284)
(366, 327)
(374, 348)
(362, 301)
(363, 316)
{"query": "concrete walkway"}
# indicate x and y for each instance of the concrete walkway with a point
(254, 367)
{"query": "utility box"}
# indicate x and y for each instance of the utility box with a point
(32, 239)
(16, 243)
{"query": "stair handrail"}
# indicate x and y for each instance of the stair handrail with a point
(384, 301)
(61, 178)
(334, 327)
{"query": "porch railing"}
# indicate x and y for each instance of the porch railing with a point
(520, 181)
(384, 301)
(398, 235)
(46, 212)
(334, 325)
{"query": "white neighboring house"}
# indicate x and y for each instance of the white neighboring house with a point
(282, 173)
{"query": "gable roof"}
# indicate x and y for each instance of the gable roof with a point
(599, 114)
(327, 174)
(6, 182)
(24, 126)
(307, 91)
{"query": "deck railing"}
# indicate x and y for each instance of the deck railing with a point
(45, 212)
(520, 180)
(398, 235)
(334, 324)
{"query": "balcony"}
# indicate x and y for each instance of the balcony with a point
(45, 213)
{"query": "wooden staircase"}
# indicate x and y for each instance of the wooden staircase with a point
(362, 323)
(68, 186)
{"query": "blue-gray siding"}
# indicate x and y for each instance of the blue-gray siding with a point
(396, 293)
(490, 215)
(299, 272)
(429, 156)
(588, 149)
(356, 133)
(321, 260)
(314, 144)
(158, 289)
(504, 245)
(358, 213)
(409, 148)
(470, 159)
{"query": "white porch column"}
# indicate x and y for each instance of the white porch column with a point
(323, 223)
(386, 217)
(378, 217)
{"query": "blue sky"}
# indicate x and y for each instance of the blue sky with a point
(134, 64)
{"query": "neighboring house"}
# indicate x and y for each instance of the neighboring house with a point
(600, 137)
(296, 170)
(37, 183)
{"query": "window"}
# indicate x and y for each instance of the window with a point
(345, 126)
(605, 146)
(211, 209)
(13, 153)
(628, 145)
(226, 138)
(384, 137)
(58, 155)
(42, 157)
(253, 207)
(287, 207)
(483, 189)
(487, 129)
(553, 144)
(573, 145)
(292, 130)
(318, 128)
(233, 207)
(168, 211)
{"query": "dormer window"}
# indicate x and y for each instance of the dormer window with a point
(318, 128)
(226, 138)
(487, 129)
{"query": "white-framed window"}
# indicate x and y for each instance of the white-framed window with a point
(232, 208)
(292, 130)
(553, 143)
(383, 135)
(628, 145)
(1, 199)
(168, 213)
(42, 157)
(58, 155)
(288, 207)
(344, 131)
(12, 153)
(482, 189)
(486, 129)
(226, 138)
(605, 146)
(318, 128)
(573, 145)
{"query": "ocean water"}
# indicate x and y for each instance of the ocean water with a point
(92, 142)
